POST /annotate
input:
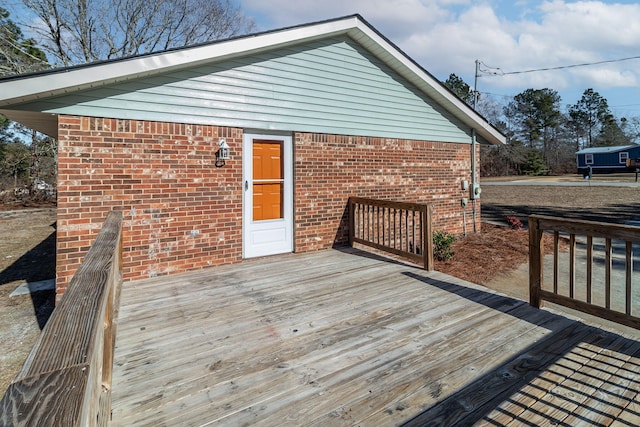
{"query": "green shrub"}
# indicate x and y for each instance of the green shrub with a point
(442, 242)
(534, 164)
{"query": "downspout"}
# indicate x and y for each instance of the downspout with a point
(474, 142)
(474, 182)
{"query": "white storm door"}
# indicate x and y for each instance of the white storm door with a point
(268, 195)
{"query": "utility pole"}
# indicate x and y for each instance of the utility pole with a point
(475, 86)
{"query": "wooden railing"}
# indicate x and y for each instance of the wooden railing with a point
(66, 379)
(601, 283)
(399, 228)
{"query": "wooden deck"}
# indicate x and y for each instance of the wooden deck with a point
(347, 338)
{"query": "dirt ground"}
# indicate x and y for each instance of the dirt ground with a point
(595, 203)
(496, 257)
(498, 250)
(27, 254)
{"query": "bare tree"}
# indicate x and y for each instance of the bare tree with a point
(81, 31)
(632, 129)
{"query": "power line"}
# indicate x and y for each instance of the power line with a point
(16, 45)
(499, 71)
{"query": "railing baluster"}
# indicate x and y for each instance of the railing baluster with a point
(413, 231)
(368, 223)
(401, 229)
(381, 226)
(374, 224)
(380, 222)
(377, 220)
(628, 272)
(406, 231)
(421, 232)
(365, 222)
(607, 272)
(589, 266)
(555, 261)
(395, 230)
(363, 209)
(572, 264)
(361, 221)
(384, 227)
(407, 226)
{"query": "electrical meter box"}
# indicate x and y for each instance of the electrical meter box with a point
(475, 191)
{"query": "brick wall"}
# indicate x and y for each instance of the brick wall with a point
(182, 213)
(330, 168)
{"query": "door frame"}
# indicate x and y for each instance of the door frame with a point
(248, 225)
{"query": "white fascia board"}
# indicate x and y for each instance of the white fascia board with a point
(17, 91)
(403, 65)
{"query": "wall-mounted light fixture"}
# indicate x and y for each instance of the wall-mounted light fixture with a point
(223, 154)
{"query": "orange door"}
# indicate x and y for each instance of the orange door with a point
(268, 179)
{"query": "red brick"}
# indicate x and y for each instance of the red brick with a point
(161, 175)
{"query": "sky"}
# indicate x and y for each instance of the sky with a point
(505, 36)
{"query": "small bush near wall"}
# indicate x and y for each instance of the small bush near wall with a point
(443, 245)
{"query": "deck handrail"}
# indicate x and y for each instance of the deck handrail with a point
(66, 379)
(400, 228)
(539, 224)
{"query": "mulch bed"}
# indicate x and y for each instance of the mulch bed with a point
(479, 257)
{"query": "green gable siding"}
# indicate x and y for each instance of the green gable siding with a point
(328, 86)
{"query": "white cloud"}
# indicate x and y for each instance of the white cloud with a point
(583, 32)
(395, 16)
(447, 36)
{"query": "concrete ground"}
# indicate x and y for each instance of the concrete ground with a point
(612, 180)
(566, 204)
(516, 284)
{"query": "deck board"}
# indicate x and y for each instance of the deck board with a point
(611, 385)
(347, 338)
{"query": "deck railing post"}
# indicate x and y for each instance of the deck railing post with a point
(536, 257)
(352, 222)
(427, 239)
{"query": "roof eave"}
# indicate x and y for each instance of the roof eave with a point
(54, 83)
(60, 82)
